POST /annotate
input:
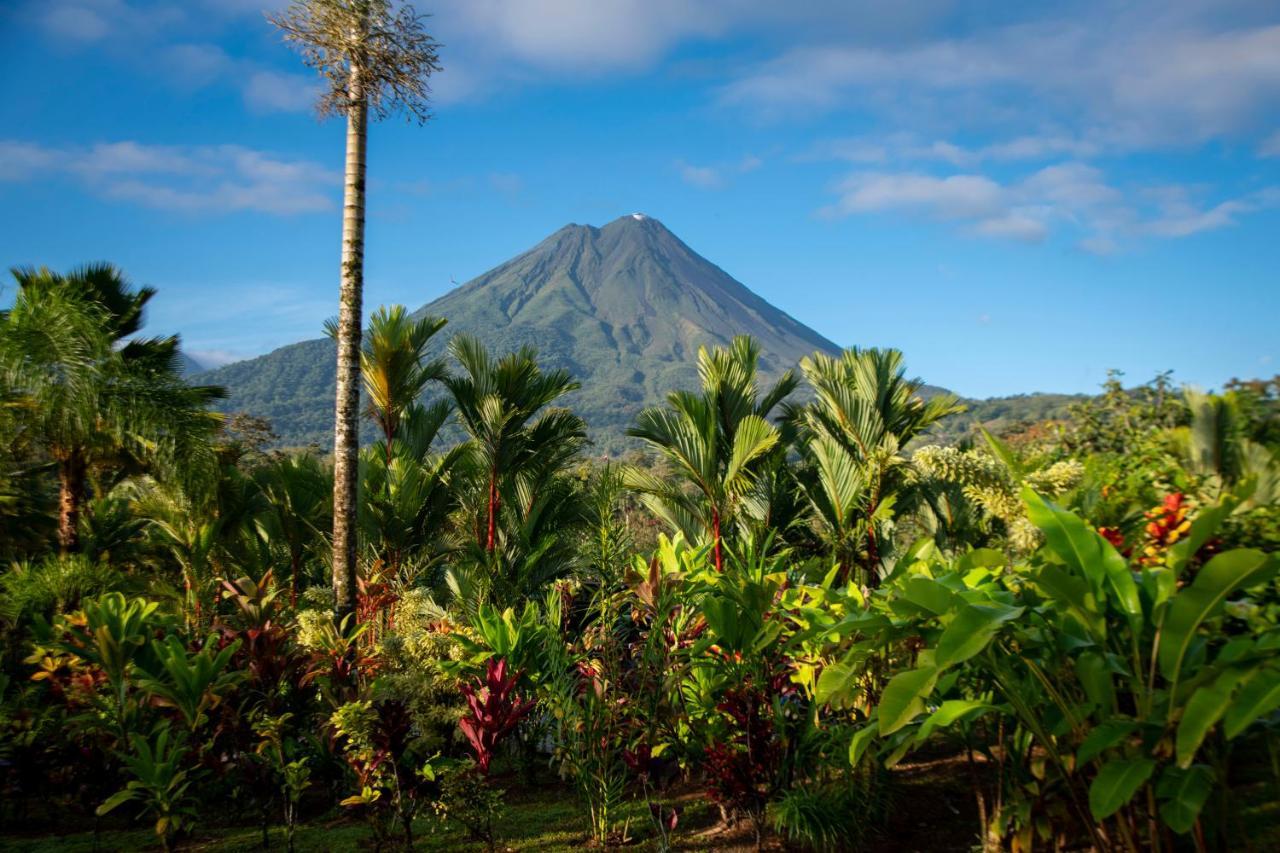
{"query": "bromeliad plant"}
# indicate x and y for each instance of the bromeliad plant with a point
(1118, 689)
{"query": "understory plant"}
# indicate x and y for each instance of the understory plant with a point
(1113, 691)
(161, 785)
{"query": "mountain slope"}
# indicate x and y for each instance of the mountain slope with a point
(624, 308)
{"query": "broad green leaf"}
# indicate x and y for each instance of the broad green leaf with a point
(1219, 578)
(858, 744)
(1074, 593)
(970, 632)
(904, 696)
(834, 682)
(1095, 678)
(1103, 737)
(1205, 707)
(949, 713)
(927, 593)
(980, 558)
(114, 800)
(898, 753)
(1183, 794)
(1084, 550)
(1259, 695)
(1116, 783)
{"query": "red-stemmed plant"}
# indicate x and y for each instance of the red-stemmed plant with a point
(495, 711)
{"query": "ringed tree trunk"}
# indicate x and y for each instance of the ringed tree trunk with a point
(71, 474)
(346, 422)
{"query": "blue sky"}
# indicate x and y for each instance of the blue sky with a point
(1018, 196)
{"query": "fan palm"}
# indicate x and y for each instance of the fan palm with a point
(864, 412)
(87, 395)
(715, 440)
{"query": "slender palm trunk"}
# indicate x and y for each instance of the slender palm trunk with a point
(493, 509)
(873, 559)
(71, 472)
(346, 426)
(715, 537)
(295, 566)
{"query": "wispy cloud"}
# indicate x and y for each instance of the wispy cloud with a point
(702, 177)
(92, 21)
(1170, 80)
(507, 183)
(192, 179)
(238, 320)
(1073, 197)
(276, 91)
(910, 147)
(716, 177)
(1270, 146)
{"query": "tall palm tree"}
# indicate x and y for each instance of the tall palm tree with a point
(516, 441)
(373, 57)
(864, 413)
(716, 441)
(89, 395)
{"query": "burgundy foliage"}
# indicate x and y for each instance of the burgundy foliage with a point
(495, 710)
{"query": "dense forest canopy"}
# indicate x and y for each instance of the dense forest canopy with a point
(744, 628)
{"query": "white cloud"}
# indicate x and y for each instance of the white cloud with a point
(702, 177)
(197, 64)
(1072, 197)
(210, 358)
(716, 177)
(910, 147)
(194, 179)
(240, 319)
(506, 183)
(952, 197)
(1270, 146)
(90, 22)
(20, 160)
(276, 91)
(577, 35)
(1140, 77)
(76, 22)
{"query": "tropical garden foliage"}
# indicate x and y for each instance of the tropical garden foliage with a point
(746, 633)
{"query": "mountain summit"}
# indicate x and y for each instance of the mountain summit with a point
(623, 307)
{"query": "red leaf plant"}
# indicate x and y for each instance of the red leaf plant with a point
(495, 711)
